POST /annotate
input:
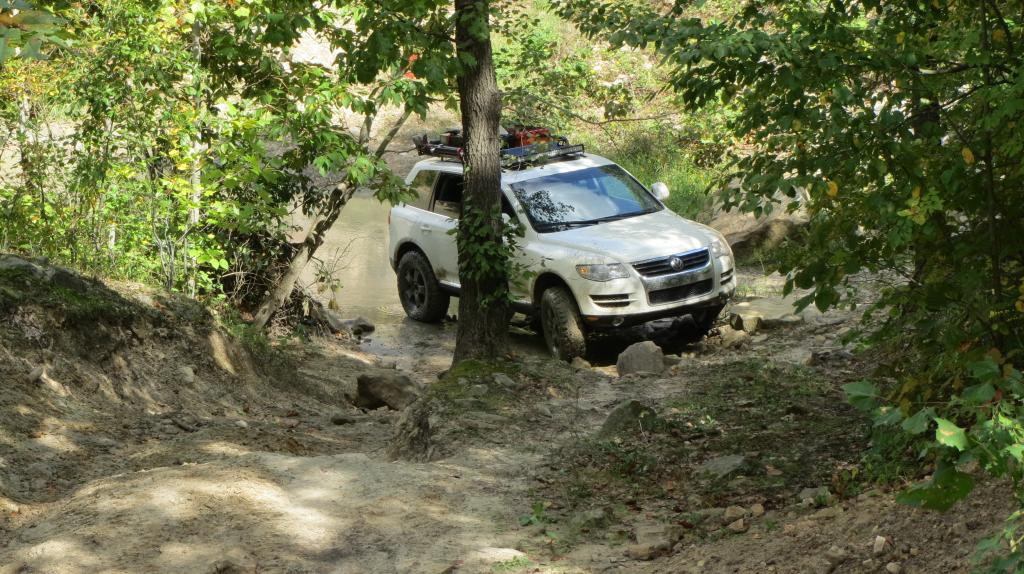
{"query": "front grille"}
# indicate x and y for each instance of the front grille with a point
(680, 293)
(663, 265)
(611, 300)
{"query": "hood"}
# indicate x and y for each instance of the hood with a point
(633, 239)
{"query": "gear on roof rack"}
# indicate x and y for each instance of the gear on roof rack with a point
(520, 145)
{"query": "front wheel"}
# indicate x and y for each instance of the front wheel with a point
(418, 289)
(704, 320)
(561, 323)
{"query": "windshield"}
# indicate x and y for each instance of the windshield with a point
(583, 197)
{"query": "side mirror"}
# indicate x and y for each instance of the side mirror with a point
(660, 191)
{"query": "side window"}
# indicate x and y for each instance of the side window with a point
(448, 195)
(423, 185)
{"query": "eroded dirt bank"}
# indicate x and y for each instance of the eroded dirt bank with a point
(138, 436)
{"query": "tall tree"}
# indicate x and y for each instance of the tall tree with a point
(483, 269)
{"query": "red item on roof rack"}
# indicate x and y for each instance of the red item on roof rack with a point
(520, 136)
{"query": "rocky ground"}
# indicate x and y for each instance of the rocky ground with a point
(139, 435)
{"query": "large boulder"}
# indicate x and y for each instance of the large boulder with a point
(747, 233)
(629, 416)
(389, 389)
(641, 358)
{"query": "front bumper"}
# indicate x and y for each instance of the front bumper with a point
(639, 299)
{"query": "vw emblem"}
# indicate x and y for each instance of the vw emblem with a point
(676, 264)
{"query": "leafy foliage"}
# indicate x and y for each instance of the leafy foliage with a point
(894, 126)
(185, 137)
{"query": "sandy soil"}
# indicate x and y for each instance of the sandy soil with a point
(154, 442)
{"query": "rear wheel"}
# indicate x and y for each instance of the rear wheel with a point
(418, 289)
(561, 323)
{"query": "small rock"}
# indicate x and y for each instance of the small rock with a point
(829, 356)
(733, 513)
(819, 496)
(743, 322)
(342, 420)
(644, 357)
(878, 548)
(36, 374)
(710, 513)
(836, 555)
(241, 424)
(757, 510)
(628, 416)
(733, 338)
(723, 466)
(658, 534)
(738, 526)
(385, 389)
(186, 375)
(646, 551)
(543, 411)
(358, 326)
(478, 390)
(503, 380)
(288, 423)
(893, 568)
(579, 363)
(672, 360)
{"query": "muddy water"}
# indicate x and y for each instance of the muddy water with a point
(359, 243)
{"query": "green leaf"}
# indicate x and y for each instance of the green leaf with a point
(918, 423)
(950, 435)
(863, 395)
(947, 487)
(986, 370)
(242, 12)
(978, 394)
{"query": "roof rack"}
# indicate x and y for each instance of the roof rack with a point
(520, 146)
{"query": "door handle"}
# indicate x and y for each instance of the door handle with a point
(426, 228)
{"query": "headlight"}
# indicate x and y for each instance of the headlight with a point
(720, 247)
(602, 272)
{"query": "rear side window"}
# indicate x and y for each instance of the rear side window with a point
(448, 195)
(423, 186)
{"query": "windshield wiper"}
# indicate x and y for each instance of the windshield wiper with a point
(563, 225)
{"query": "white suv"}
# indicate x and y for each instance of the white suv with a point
(604, 251)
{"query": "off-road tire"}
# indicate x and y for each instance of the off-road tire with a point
(419, 291)
(562, 325)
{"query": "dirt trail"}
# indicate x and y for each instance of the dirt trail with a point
(137, 436)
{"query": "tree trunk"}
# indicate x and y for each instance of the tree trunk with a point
(483, 305)
(318, 229)
(196, 177)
